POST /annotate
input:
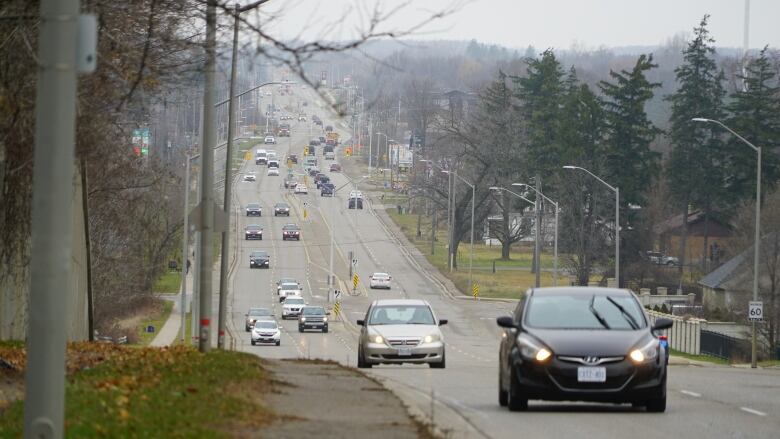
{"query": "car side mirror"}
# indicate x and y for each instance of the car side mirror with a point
(442, 322)
(662, 324)
(361, 323)
(246, 315)
(327, 313)
(506, 322)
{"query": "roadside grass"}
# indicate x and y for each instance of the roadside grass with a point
(156, 318)
(123, 391)
(769, 363)
(706, 358)
(168, 283)
(508, 283)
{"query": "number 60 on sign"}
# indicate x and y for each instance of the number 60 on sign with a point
(755, 311)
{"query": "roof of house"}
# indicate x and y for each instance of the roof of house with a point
(676, 222)
(723, 273)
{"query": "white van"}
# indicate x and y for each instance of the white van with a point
(261, 157)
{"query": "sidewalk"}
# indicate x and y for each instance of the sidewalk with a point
(169, 333)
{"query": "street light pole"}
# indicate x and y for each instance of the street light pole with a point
(471, 251)
(617, 219)
(537, 280)
(185, 245)
(757, 235)
(331, 276)
(449, 205)
(555, 258)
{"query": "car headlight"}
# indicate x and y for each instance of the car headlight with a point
(531, 350)
(325, 320)
(378, 339)
(646, 353)
(431, 338)
(303, 319)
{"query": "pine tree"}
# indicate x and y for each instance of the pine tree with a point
(696, 168)
(631, 165)
(755, 115)
(540, 93)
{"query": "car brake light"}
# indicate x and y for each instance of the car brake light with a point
(663, 337)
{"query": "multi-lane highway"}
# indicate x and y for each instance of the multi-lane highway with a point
(462, 399)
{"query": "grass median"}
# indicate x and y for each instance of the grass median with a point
(122, 391)
(511, 278)
(156, 318)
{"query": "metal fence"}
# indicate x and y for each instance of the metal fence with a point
(724, 346)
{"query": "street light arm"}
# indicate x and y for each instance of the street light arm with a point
(538, 193)
(614, 189)
(251, 6)
(495, 188)
(461, 178)
(223, 102)
(717, 122)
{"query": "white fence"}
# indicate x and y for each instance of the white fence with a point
(684, 335)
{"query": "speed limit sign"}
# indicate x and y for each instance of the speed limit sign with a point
(755, 311)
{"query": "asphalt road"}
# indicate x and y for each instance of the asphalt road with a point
(719, 402)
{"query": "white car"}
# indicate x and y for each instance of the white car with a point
(355, 194)
(288, 290)
(270, 140)
(379, 280)
(292, 307)
(285, 280)
(250, 177)
(301, 189)
(273, 171)
(266, 331)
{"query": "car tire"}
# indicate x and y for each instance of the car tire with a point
(658, 404)
(503, 395)
(440, 365)
(253, 342)
(278, 343)
(325, 330)
(516, 402)
(361, 362)
(300, 329)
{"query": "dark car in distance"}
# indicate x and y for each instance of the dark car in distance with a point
(293, 158)
(291, 231)
(254, 209)
(326, 190)
(253, 231)
(582, 344)
(281, 209)
(313, 317)
(259, 259)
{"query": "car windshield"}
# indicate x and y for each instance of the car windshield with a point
(253, 227)
(287, 280)
(294, 301)
(289, 286)
(265, 324)
(291, 227)
(260, 312)
(401, 315)
(281, 206)
(313, 311)
(381, 275)
(259, 254)
(252, 206)
(584, 311)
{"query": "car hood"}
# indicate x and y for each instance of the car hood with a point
(576, 342)
(293, 305)
(389, 331)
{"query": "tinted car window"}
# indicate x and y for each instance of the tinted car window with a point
(401, 315)
(309, 311)
(583, 311)
(263, 324)
(294, 301)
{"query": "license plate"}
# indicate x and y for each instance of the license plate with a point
(404, 352)
(591, 374)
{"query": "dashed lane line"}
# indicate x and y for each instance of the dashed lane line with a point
(752, 411)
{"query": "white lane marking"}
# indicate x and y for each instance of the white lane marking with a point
(689, 393)
(752, 411)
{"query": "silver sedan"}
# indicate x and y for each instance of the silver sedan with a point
(401, 331)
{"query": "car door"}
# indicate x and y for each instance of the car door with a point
(508, 341)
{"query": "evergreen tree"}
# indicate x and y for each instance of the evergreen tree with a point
(696, 164)
(540, 93)
(631, 165)
(755, 115)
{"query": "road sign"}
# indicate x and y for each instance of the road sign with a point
(337, 293)
(354, 262)
(337, 308)
(475, 290)
(756, 311)
(355, 280)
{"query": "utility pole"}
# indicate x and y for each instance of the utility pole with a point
(223, 265)
(185, 245)
(538, 226)
(206, 207)
(60, 57)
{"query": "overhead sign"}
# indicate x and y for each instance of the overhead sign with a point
(756, 311)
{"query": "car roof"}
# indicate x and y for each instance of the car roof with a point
(601, 291)
(404, 302)
(259, 253)
(252, 204)
(290, 284)
(259, 309)
(380, 274)
(281, 204)
(253, 226)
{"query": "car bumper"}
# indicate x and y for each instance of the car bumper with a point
(375, 353)
(254, 237)
(379, 285)
(254, 213)
(259, 264)
(313, 325)
(296, 237)
(264, 339)
(289, 313)
(557, 381)
(278, 212)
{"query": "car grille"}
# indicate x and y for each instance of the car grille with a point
(404, 357)
(313, 319)
(294, 309)
(403, 341)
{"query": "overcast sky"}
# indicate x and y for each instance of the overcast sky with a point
(542, 23)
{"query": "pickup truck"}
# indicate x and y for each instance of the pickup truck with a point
(661, 259)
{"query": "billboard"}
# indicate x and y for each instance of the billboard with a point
(140, 141)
